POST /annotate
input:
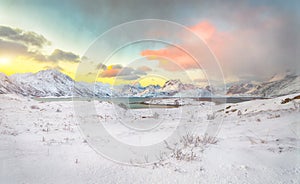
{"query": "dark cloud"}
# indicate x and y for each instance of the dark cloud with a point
(126, 71)
(28, 38)
(17, 42)
(7, 31)
(10, 48)
(59, 55)
(184, 12)
(101, 66)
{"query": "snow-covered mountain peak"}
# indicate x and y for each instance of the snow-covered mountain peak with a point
(173, 82)
(173, 85)
(177, 85)
(52, 74)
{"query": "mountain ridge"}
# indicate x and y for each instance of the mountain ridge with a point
(278, 85)
(53, 83)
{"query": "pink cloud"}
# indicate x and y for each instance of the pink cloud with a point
(248, 46)
(175, 58)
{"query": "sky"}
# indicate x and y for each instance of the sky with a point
(250, 39)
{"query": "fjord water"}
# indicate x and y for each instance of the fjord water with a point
(138, 102)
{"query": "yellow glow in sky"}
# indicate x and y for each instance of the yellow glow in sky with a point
(152, 80)
(4, 61)
(23, 64)
(20, 65)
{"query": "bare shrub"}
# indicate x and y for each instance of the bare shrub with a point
(211, 116)
(34, 107)
(190, 147)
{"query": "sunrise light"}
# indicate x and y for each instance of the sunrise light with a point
(4, 61)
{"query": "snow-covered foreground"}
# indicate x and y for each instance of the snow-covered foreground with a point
(258, 142)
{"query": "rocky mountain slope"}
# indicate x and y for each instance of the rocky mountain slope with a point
(278, 85)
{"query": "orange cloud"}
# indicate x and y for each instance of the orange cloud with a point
(171, 58)
(110, 72)
(247, 47)
(175, 58)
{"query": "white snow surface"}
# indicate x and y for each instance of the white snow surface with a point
(258, 142)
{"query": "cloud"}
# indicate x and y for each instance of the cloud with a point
(171, 58)
(10, 48)
(59, 55)
(28, 38)
(118, 71)
(247, 39)
(253, 36)
(17, 42)
(139, 72)
(259, 40)
(126, 71)
(118, 66)
(110, 73)
(101, 66)
(144, 69)
(130, 77)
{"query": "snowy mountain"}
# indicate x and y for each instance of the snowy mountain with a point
(92, 89)
(178, 89)
(52, 83)
(44, 83)
(127, 90)
(198, 92)
(176, 85)
(150, 91)
(136, 91)
(243, 88)
(290, 84)
(278, 85)
(174, 88)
